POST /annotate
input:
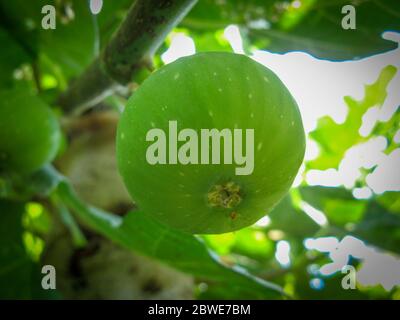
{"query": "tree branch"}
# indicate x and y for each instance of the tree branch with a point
(145, 27)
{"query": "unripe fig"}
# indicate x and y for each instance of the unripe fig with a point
(210, 143)
(29, 132)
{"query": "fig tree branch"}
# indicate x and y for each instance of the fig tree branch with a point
(141, 33)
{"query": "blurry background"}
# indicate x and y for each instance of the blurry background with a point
(343, 209)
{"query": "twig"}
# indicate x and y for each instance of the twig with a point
(145, 27)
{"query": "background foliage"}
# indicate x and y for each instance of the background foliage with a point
(242, 264)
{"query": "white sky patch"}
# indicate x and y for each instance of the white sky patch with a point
(282, 253)
(232, 34)
(396, 137)
(320, 85)
(369, 119)
(328, 178)
(362, 193)
(263, 222)
(259, 24)
(181, 46)
(386, 177)
(312, 149)
(325, 244)
(299, 177)
(377, 267)
(296, 4)
(95, 6)
(316, 215)
(364, 155)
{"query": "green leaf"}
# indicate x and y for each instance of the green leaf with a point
(370, 221)
(77, 38)
(292, 221)
(391, 201)
(336, 203)
(379, 227)
(20, 277)
(389, 130)
(335, 139)
(313, 26)
(11, 57)
(251, 242)
(254, 244)
(210, 41)
(183, 251)
(21, 187)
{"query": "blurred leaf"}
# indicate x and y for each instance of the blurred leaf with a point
(211, 41)
(20, 187)
(337, 204)
(250, 242)
(254, 244)
(220, 243)
(335, 139)
(317, 29)
(313, 26)
(290, 220)
(389, 130)
(11, 57)
(73, 43)
(391, 201)
(331, 288)
(44, 181)
(36, 218)
(78, 36)
(20, 277)
(371, 222)
(380, 228)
